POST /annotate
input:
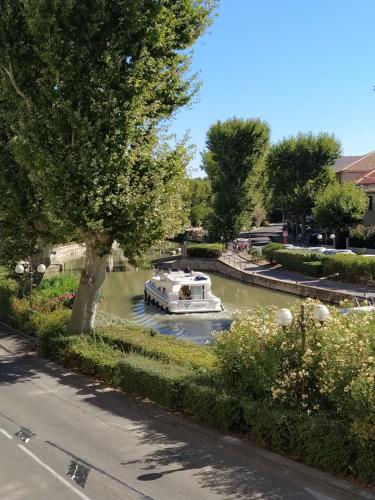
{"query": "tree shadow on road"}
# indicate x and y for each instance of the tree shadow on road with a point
(177, 444)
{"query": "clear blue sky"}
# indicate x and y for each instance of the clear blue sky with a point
(300, 65)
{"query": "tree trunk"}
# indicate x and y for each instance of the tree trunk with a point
(85, 303)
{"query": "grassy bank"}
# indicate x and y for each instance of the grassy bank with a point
(316, 405)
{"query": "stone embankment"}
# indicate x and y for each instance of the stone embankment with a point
(63, 253)
(240, 269)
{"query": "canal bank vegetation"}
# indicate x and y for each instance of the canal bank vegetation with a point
(309, 396)
(348, 268)
(205, 250)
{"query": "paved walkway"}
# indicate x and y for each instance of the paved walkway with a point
(351, 289)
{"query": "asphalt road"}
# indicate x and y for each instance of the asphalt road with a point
(64, 437)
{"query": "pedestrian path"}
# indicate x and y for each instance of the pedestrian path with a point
(352, 290)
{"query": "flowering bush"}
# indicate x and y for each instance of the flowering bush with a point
(67, 299)
(332, 369)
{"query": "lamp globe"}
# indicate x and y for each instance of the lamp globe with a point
(321, 313)
(284, 317)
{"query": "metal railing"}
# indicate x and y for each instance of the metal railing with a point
(234, 261)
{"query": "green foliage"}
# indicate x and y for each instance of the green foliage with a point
(212, 406)
(318, 440)
(8, 292)
(332, 370)
(350, 268)
(58, 285)
(298, 168)
(361, 235)
(200, 201)
(340, 206)
(234, 163)
(135, 338)
(159, 382)
(301, 261)
(269, 250)
(93, 359)
(205, 250)
(312, 268)
(85, 120)
(255, 255)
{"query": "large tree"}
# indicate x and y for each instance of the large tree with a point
(297, 169)
(199, 201)
(89, 84)
(340, 207)
(234, 163)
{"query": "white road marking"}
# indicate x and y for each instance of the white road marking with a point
(53, 472)
(6, 434)
(317, 495)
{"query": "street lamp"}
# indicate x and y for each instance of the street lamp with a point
(24, 268)
(332, 238)
(319, 238)
(285, 319)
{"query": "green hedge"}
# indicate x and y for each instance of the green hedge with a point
(269, 250)
(146, 341)
(350, 268)
(212, 406)
(301, 261)
(318, 440)
(205, 250)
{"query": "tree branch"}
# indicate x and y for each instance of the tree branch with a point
(9, 72)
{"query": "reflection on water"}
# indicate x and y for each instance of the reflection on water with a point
(122, 296)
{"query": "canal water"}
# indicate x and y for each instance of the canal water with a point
(122, 296)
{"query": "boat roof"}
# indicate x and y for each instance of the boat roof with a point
(186, 277)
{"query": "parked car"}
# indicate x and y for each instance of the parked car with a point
(335, 251)
(318, 249)
(291, 247)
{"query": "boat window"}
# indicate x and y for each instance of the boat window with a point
(197, 292)
(185, 293)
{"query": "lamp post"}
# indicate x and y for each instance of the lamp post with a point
(24, 268)
(319, 238)
(284, 318)
(332, 238)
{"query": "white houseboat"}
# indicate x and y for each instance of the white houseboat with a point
(182, 291)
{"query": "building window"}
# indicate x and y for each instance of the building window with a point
(370, 203)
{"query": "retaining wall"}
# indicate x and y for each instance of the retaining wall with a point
(300, 289)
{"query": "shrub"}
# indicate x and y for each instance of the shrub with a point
(205, 250)
(91, 358)
(255, 255)
(8, 291)
(317, 439)
(309, 263)
(313, 268)
(361, 236)
(212, 406)
(351, 268)
(334, 373)
(269, 250)
(157, 381)
(134, 338)
(57, 285)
